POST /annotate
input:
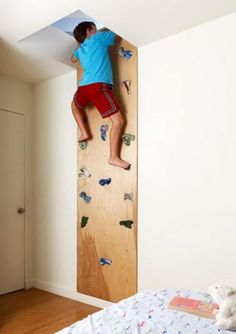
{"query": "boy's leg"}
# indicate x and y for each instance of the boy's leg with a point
(80, 118)
(105, 101)
(115, 141)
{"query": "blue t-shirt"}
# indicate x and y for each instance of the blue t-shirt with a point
(93, 55)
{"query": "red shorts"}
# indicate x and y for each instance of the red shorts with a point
(101, 95)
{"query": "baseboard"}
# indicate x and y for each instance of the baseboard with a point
(29, 284)
(65, 292)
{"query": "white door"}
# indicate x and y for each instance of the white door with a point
(11, 200)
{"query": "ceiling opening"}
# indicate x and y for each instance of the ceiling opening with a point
(56, 41)
(68, 23)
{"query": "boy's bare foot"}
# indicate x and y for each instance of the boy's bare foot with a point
(119, 163)
(83, 137)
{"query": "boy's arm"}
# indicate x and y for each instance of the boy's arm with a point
(78, 67)
(104, 29)
(79, 71)
(73, 59)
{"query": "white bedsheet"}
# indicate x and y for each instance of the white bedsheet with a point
(146, 312)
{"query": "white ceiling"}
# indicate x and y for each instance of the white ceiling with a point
(140, 22)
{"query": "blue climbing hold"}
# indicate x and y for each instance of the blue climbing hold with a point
(104, 182)
(104, 129)
(85, 197)
(125, 54)
(104, 261)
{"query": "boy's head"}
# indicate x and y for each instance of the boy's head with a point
(84, 30)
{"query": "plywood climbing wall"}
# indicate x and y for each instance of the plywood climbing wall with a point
(107, 213)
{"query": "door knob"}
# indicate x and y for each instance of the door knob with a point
(21, 210)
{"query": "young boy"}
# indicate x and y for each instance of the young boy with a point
(96, 85)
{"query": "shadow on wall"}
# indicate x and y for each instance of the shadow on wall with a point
(19, 62)
(52, 43)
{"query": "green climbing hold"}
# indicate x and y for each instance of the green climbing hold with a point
(84, 221)
(83, 144)
(126, 223)
(127, 138)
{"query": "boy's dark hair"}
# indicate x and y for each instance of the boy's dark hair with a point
(80, 31)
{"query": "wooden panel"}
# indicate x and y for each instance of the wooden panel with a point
(103, 236)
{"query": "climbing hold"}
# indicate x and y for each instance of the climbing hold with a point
(84, 172)
(104, 182)
(128, 167)
(104, 261)
(128, 196)
(126, 223)
(84, 221)
(127, 84)
(83, 144)
(104, 128)
(85, 197)
(126, 138)
(125, 54)
(141, 324)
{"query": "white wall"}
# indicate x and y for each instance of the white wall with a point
(187, 158)
(187, 163)
(55, 189)
(17, 96)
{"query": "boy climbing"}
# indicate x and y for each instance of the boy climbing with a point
(96, 85)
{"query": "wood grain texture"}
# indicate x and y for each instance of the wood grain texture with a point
(103, 236)
(39, 312)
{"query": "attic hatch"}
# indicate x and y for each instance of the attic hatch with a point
(68, 23)
(56, 41)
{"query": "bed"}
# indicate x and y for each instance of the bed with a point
(146, 312)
